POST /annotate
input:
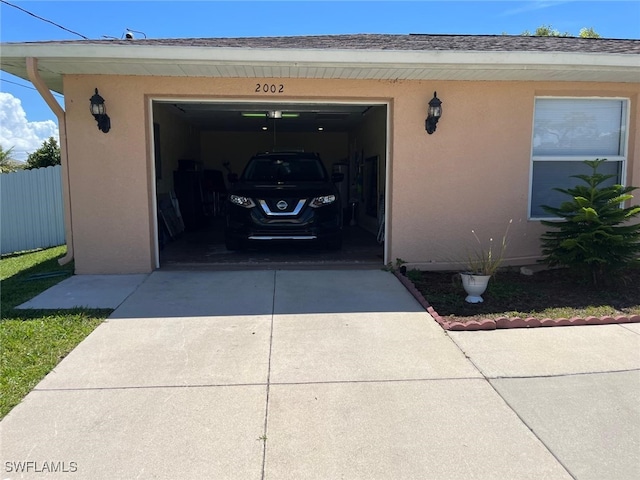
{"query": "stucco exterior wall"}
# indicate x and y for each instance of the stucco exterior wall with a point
(472, 173)
(109, 178)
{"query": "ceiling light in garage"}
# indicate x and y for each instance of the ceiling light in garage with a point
(270, 114)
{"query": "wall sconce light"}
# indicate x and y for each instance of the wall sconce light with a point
(433, 114)
(99, 112)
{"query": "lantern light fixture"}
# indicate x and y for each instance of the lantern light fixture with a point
(433, 114)
(99, 112)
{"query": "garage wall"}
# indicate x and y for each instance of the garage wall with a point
(472, 173)
(178, 140)
(237, 147)
(368, 142)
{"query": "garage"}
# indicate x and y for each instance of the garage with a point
(199, 145)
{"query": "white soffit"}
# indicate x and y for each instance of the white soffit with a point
(55, 60)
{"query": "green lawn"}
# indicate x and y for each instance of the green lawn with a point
(32, 342)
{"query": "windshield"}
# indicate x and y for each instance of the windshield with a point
(284, 170)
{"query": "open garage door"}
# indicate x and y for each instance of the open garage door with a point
(200, 145)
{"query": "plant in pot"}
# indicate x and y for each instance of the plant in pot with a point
(481, 264)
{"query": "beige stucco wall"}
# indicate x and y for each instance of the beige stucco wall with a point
(472, 173)
(109, 178)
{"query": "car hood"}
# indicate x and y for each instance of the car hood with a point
(270, 190)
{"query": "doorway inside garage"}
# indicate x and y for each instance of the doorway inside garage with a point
(199, 145)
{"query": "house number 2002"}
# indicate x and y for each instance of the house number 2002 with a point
(269, 88)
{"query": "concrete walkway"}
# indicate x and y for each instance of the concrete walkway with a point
(325, 375)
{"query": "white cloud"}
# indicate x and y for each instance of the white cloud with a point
(16, 131)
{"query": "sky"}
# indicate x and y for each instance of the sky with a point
(26, 121)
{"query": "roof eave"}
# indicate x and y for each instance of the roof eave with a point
(57, 60)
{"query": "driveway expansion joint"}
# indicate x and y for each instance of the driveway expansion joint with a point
(149, 387)
(398, 380)
(561, 375)
(487, 380)
(533, 432)
(266, 408)
(260, 384)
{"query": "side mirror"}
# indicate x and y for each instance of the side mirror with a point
(232, 177)
(337, 177)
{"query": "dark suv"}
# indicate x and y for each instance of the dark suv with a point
(287, 196)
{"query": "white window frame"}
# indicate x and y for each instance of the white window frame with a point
(622, 159)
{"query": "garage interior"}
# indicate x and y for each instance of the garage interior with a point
(198, 143)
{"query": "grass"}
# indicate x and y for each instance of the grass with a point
(34, 341)
(547, 294)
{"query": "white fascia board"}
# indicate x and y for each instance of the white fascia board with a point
(316, 57)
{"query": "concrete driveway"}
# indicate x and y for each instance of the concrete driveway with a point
(325, 375)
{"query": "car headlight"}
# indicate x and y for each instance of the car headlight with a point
(241, 201)
(322, 201)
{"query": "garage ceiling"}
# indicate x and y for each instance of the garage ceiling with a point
(245, 117)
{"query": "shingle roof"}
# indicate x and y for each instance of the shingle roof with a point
(358, 56)
(411, 42)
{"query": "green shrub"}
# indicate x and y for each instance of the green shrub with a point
(593, 235)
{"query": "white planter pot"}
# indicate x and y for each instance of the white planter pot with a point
(474, 285)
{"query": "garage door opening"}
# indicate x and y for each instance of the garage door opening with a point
(199, 145)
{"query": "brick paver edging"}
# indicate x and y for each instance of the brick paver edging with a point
(513, 322)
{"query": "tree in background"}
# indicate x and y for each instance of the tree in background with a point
(588, 33)
(549, 31)
(545, 31)
(47, 155)
(7, 162)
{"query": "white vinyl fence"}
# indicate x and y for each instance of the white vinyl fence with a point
(31, 212)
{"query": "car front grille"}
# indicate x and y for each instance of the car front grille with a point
(282, 207)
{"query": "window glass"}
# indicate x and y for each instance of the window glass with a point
(567, 131)
(550, 175)
(287, 169)
(578, 127)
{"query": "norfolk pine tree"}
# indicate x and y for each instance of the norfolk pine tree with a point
(593, 235)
